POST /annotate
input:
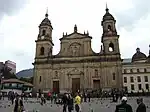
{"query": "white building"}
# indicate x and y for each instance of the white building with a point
(136, 73)
(11, 65)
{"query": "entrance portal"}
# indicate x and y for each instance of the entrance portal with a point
(96, 84)
(56, 86)
(75, 85)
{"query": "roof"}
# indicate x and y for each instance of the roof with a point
(76, 35)
(46, 21)
(138, 56)
(17, 81)
(13, 81)
(127, 60)
(28, 84)
(108, 16)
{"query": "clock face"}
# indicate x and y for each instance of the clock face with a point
(42, 37)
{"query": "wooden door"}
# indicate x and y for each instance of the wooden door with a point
(75, 85)
(96, 84)
(56, 86)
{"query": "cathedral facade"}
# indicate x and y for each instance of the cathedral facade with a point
(77, 66)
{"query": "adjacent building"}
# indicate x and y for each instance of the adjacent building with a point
(11, 65)
(136, 72)
(77, 66)
(15, 85)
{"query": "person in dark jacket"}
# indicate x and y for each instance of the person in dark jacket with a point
(141, 106)
(65, 102)
(124, 107)
(70, 103)
(16, 104)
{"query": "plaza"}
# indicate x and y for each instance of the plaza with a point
(97, 105)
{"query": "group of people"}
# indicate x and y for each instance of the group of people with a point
(124, 107)
(68, 101)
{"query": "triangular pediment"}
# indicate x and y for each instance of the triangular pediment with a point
(75, 36)
(75, 71)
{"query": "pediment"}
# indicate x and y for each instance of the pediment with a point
(75, 72)
(75, 36)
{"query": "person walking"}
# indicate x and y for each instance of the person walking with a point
(124, 107)
(141, 106)
(77, 103)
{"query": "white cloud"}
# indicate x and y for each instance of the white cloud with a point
(18, 32)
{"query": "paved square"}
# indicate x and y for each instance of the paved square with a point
(103, 105)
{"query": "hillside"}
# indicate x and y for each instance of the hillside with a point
(25, 73)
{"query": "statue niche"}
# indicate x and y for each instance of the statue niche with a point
(75, 49)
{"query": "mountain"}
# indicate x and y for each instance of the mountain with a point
(25, 73)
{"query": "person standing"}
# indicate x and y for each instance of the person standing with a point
(70, 103)
(124, 107)
(16, 104)
(141, 106)
(78, 103)
(65, 102)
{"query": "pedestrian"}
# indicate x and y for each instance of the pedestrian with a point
(77, 103)
(141, 106)
(70, 103)
(16, 104)
(65, 102)
(124, 107)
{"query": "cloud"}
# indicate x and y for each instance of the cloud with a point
(129, 18)
(10, 7)
(19, 29)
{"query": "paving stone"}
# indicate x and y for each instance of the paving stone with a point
(97, 105)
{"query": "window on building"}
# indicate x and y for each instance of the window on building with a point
(114, 76)
(111, 47)
(140, 86)
(146, 78)
(145, 70)
(125, 79)
(131, 71)
(42, 51)
(96, 72)
(132, 86)
(40, 79)
(131, 79)
(138, 78)
(126, 88)
(147, 86)
(138, 70)
(43, 32)
(125, 71)
(10, 85)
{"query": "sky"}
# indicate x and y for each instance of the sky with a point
(19, 21)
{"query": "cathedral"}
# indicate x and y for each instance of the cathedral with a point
(77, 67)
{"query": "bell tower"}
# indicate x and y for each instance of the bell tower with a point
(109, 36)
(44, 44)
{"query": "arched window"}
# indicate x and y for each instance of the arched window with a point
(43, 32)
(109, 28)
(114, 76)
(40, 79)
(111, 47)
(96, 72)
(42, 51)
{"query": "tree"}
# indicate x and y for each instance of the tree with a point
(5, 71)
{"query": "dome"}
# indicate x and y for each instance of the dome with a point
(108, 16)
(138, 56)
(46, 21)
